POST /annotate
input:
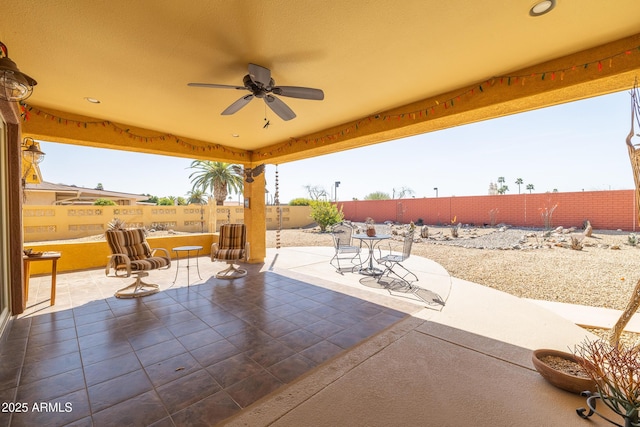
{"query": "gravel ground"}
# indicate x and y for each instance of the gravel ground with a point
(523, 262)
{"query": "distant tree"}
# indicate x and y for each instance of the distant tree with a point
(316, 192)
(151, 199)
(167, 201)
(181, 201)
(502, 188)
(519, 182)
(99, 187)
(218, 177)
(401, 192)
(377, 195)
(530, 187)
(197, 197)
(555, 190)
(104, 202)
(300, 201)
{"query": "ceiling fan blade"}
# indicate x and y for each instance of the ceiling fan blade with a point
(237, 105)
(299, 92)
(216, 86)
(279, 107)
(260, 74)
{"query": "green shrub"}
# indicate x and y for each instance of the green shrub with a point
(166, 201)
(300, 201)
(325, 213)
(104, 202)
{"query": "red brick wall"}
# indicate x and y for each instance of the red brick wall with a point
(606, 210)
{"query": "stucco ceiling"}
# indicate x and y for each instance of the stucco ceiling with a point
(368, 56)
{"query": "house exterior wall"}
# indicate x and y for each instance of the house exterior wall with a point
(608, 210)
(39, 198)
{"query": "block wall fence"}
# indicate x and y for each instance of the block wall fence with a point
(43, 223)
(606, 210)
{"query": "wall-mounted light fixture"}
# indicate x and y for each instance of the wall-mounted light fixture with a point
(14, 85)
(32, 155)
(30, 151)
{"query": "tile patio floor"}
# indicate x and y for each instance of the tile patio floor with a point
(278, 347)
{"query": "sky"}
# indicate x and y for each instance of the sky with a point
(578, 146)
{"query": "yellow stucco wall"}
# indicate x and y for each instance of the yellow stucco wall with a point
(91, 255)
(48, 222)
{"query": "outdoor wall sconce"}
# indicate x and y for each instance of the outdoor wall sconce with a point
(32, 155)
(14, 85)
(30, 151)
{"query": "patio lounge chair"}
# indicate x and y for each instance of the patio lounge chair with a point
(393, 263)
(232, 247)
(132, 256)
(344, 250)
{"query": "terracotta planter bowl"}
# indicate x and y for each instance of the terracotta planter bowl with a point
(562, 380)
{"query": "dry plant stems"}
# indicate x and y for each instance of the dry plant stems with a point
(547, 215)
(576, 243)
(616, 371)
(116, 224)
(493, 215)
(454, 227)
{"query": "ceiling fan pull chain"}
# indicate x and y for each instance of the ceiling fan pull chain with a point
(267, 122)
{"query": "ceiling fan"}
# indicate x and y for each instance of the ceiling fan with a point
(261, 85)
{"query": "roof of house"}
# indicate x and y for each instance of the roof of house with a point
(82, 191)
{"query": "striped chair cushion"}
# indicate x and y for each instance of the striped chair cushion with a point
(151, 263)
(230, 254)
(231, 242)
(129, 242)
(133, 243)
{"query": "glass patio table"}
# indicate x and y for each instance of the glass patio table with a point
(367, 268)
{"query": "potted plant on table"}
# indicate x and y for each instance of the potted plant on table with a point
(370, 227)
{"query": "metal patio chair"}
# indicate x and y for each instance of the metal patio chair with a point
(392, 262)
(344, 249)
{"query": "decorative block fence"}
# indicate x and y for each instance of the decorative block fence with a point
(43, 223)
(606, 210)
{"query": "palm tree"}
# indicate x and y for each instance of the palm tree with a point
(198, 197)
(503, 188)
(519, 182)
(217, 177)
(530, 188)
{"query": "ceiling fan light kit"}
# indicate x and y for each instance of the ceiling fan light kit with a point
(261, 85)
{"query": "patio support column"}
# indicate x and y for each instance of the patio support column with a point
(255, 218)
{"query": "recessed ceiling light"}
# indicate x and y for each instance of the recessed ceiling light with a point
(235, 135)
(542, 7)
(92, 100)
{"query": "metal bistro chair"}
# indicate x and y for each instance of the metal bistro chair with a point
(232, 247)
(393, 262)
(341, 234)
